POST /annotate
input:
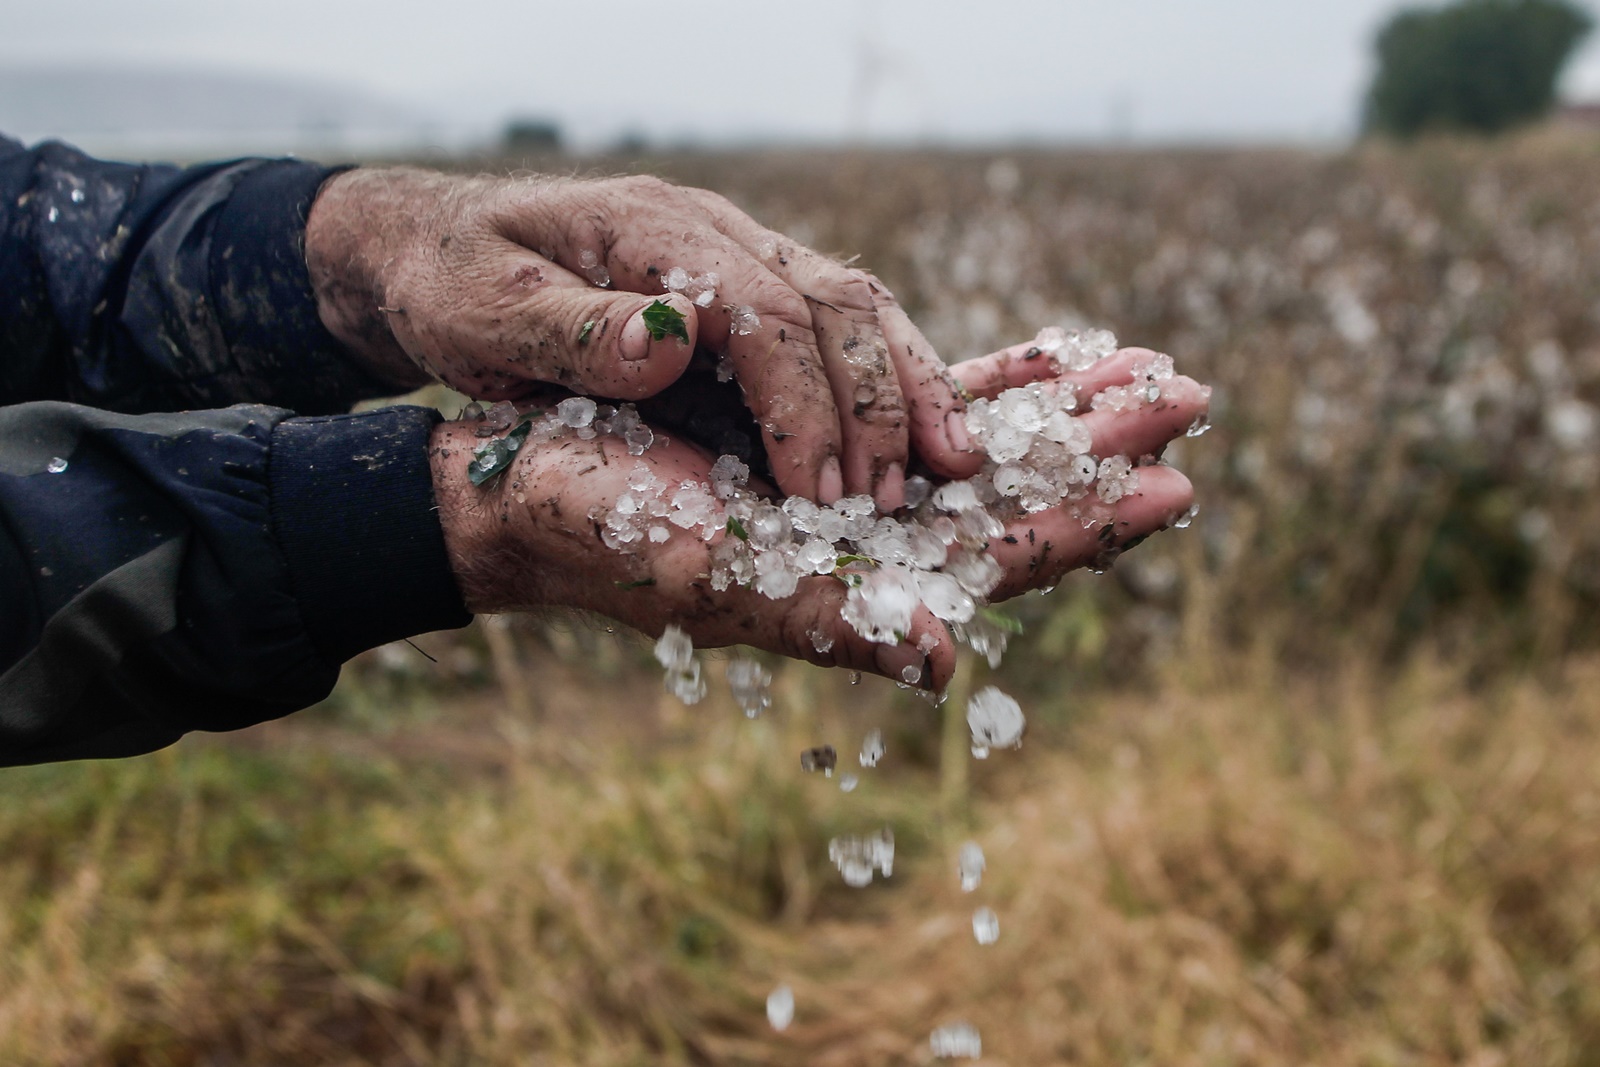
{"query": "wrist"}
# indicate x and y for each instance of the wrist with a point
(358, 222)
(492, 569)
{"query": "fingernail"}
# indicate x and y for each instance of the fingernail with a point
(955, 431)
(830, 483)
(901, 662)
(635, 342)
(891, 495)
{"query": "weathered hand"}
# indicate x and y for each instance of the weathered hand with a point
(529, 539)
(492, 285)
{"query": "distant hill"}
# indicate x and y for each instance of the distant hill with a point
(143, 112)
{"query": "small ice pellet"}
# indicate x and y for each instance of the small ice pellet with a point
(872, 748)
(848, 782)
(593, 269)
(970, 865)
(576, 411)
(956, 1041)
(780, 1008)
(985, 925)
(57, 465)
(1182, 521)
(911, 674)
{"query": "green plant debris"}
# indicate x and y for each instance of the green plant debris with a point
(851, 558)
(736, 528)
(638, 583)
(663, 320)
(490, 459)
(583, 334)
(997, 618)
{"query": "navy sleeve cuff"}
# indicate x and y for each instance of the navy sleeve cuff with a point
(265, 303)
(354, 511)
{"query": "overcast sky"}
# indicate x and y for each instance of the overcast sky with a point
(724, 70)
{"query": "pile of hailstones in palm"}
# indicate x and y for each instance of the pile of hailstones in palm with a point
(933, 552)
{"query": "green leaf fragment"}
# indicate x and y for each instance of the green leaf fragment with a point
(490, 459)
(999, 619)
(640, 583)
(663, 320)
(849, 558)
(736, 528)
(583, 334)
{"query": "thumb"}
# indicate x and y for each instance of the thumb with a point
(602, 343)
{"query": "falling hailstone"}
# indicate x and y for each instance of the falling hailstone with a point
(859, 858)
(675, 653)
(956, 1041)
(985, 925)
(872, 748)
(848, 782)
(780, 1007)
(970, 865)
(751, 684)
(995, 721)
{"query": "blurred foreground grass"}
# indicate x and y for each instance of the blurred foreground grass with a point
(1263, 872)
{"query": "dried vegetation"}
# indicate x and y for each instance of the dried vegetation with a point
(1312, 781)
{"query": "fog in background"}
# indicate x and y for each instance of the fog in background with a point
(197, 76)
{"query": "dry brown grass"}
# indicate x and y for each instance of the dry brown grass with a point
(1313, 782)
(1257, 874)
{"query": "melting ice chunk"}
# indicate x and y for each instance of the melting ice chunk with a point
(872, 748)
(985, 926)
(995, 720)
(780, 1008)
(956, 1041)
(970, 865)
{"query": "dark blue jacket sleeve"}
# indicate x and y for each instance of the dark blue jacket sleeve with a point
(212, 566)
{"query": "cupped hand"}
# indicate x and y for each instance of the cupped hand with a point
(532, 538)
(492, 285)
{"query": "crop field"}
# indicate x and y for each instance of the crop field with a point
(1313, 781)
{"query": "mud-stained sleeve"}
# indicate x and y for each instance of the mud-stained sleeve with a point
(202, 571)
(158, 288)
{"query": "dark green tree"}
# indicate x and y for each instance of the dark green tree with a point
(1475, 65)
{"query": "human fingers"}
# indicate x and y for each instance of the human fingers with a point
(1037, 550)
(1019, 365)
(500, 317)
(936, 402)
(632, 232)
(862, 360)
(547, 519)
